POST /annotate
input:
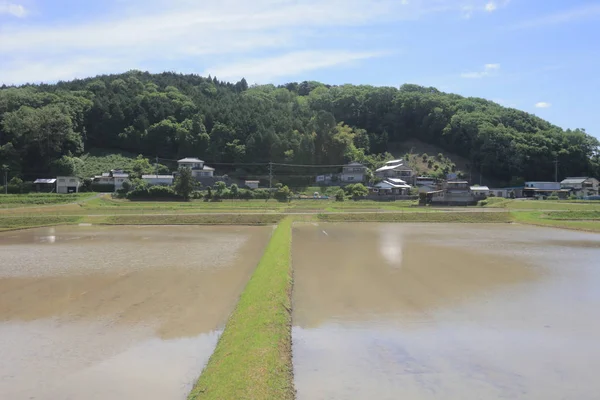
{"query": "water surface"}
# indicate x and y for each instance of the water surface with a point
(434, 311)
(117, 312)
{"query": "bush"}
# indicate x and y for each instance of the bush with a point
(153, 193)
(340, 195)
(196, 195)
(246, 194)
(572, 197)
(482, 203)
(102, 188)
(261, 193)
(552, 197)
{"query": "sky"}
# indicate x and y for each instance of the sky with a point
(540, 56)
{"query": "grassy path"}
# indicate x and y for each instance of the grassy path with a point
(253, 358)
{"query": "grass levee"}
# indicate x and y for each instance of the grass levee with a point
(197, 219)
(474, 217)
(252, 359)
(9, 223)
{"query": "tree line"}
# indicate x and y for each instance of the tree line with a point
(44, 128)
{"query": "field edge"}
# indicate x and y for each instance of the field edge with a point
(253, 357)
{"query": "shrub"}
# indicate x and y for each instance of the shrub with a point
(572, 197)
(552, 197)
(102, 188)
(482, 203)
(340, 195)
(196, 195)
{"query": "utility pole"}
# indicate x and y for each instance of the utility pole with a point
(556, 169)
(5, 168)
(156, 167)
(270, 175)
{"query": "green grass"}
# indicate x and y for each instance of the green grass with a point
(253, 357)
(572, 215)
(10, 223)
(98, 161)
(23, 200)
(544, 205)
(476, 217)
(543, 219)
(232, 219)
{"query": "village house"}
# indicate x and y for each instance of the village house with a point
(513, 192)
(251, 184)
(391, 186)
(535, 189)
(163, 180)
(581, 186)
(199, 169)
(67, 184)
(353, 172)
(480, 191)
(395, 169)
(116, 178)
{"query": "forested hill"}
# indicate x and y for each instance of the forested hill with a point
(171, 115)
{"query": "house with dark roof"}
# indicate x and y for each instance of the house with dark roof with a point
(581, 186)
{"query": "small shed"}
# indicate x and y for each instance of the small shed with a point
(44, 185)
(67, 184)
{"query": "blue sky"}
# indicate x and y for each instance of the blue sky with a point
(541, 56)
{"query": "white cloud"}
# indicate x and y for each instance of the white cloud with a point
(162, 32)
(488, 70)
(584, 12)
(15, 10)
(491, 6)
(543, 104)
(262, 70)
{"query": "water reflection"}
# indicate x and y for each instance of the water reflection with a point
(475, 312)
(390, 244)
(117, 312)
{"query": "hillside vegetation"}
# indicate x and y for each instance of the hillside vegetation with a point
(44, 128)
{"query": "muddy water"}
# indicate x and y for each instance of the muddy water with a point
(413, 311)
(116, 312)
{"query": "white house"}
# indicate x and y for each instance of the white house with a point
(158, 179)
(197, 166)
(353, 172)
(67, 184)
(395, 169)
(115, 177)
(119, 178)
(394, 186)
(581, 186)
(480, 191)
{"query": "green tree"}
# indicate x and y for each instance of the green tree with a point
(185, 183)
(340, 195)
(234, 190)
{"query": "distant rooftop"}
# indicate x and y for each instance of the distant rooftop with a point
(44, 181)
(485, 188)
(574, 180)
(190, 160)
(398, 161)
(120, 175)
(157, 176)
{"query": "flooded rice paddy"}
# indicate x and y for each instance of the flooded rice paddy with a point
(434, 311)
(117, 312)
